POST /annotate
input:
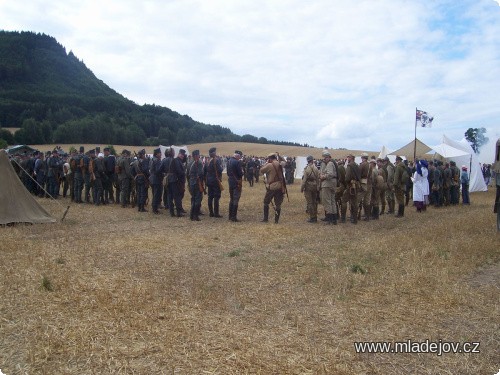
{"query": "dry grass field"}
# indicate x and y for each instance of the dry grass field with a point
(113, 291)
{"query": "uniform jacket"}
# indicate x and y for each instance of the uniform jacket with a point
(156, 175)
(398, 175)
(195, 172)
(352, 173)
(329, 170)
(310, 178)
(274, 175)
(234, 172)
(124, 164)
(213, 169)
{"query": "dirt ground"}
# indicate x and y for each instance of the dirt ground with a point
(114, 291)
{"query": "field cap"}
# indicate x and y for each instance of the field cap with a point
(212, 150)
(310, 158)
(326, 153)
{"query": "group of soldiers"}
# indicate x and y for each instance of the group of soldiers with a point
(366, 189)
(374, 185)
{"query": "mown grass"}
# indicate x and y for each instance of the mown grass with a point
(138, 293)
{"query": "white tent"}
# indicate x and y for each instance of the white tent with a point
(300, 162)
(176, 150)
(384, 152)
(462, 154)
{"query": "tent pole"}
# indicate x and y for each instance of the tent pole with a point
(415, 141)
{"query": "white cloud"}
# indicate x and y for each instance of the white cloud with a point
(329, 73)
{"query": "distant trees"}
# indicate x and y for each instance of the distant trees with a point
(476, 138)
(54, 98)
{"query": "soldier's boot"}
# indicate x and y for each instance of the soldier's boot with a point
(191, 212)
(277, 214)
(216, 208)
(196, 214)
(266, 214)
(231, 215)
(391, 205)
(235, 213)
(401, 210)
(334, 219)
(367, 209)
(211, 207)
(325, 218)
(375, 212)
(313, 219)
(407, 199)
(354, 217)
(343, 213)
(172, 212)
(383, 209)
(179, 213)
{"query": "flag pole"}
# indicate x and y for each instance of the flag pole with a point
(415, 141)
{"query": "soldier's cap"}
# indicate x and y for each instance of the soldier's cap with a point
(82, 149)
(310, 158)
(106, 149)
(380, 159)
(452, 163)
(182, 151)
(142, 152)
(386, 158)
(155, 151)
(272, 155)
(212, 150)
(364, 155)
(326, 153)
(373, 161)
(36, 153)
(196, 153)
(54, 151)
(238, 152)
(101, 155)
(399, 158)
(350, 156)
(125, 152)
(92, 151)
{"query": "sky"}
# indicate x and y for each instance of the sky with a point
(329, 73)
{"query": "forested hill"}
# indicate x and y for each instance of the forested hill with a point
(54, 98)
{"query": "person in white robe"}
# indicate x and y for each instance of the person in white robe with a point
(420, 186)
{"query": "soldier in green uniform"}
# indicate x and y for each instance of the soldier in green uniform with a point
(352, 179)
(309, 186)
(328, 185)
(389, 193)
(366, 185)
(400, 180)
(124, 177)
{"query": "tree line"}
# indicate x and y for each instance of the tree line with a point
(54, 98)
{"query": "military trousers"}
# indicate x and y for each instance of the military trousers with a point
(399, 193)
(125, 190)
(327, 195)
(142, 191)
(78, 187)
(157, 195)
(311, 195)
(97, 191)
(274, 195)
(175, 195)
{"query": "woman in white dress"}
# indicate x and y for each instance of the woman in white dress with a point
(420, 186)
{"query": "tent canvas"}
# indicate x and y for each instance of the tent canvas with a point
(408, 149)
(300, 162)
(462, 153)
(384, 152)
(176, 150)
(17, 205)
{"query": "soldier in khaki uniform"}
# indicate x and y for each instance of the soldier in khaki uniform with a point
(341, 198)
(400, 185)
(310, 183)
(389, 193)
(275, 187)
(328, 186)
(378, 188)
(366, 186)
(352, 179)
